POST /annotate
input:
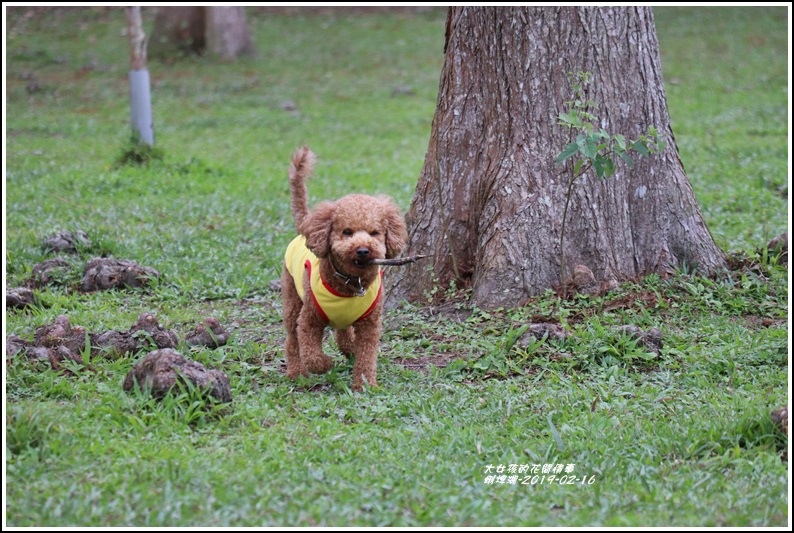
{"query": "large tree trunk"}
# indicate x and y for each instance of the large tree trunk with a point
(220, 30)
(178, 30)
(227, 32)
(489, 202)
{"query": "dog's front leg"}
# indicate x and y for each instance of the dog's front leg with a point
(367, 334)
(346, 341)
(294, 366)
(310, 335)
(292, 309)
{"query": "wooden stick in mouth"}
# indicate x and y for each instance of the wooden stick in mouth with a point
(399, 261)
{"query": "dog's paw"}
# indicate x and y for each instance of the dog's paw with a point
(319, 365)
(361, 380)
(294, 373)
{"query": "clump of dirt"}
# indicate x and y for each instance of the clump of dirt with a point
(61, 333)
(48, 272)
(145, 333)
(650, 339)
(104, 273)
(114, 344)
(780, 418)
(209, 333)
(161, 370)
(15, 345)
(538, 330)
(67, 241)
(100, 273)
(58, 342)
(161, 337)
(19, 297)
(779, 245)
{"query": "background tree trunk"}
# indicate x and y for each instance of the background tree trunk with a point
(178, 30)
(489, 201)
(194, 30)
(227, 32)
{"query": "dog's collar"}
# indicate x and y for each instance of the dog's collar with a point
(358, 287)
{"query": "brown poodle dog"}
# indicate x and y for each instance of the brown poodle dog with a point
(328, 279)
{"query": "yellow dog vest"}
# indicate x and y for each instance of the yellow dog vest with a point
(339, 310)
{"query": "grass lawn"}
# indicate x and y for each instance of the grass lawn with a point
(626, 438)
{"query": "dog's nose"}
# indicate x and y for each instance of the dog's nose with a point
(363, 253)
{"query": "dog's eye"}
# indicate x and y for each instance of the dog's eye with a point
(374, 233)
(347, 231)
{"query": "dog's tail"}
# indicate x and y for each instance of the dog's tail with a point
(300, 169)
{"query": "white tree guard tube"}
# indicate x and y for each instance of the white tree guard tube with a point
(141, 106)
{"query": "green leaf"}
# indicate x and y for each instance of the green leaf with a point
(599, 168)
(480, 365)
(641, 148)
(588, 147)
(621, 140)
(609, 167)
(604, 166)
(567, 152)
(570, 120)
(601, 165)
(627, 159)
(556, 435)
(581, 142)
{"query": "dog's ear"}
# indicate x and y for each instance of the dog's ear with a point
(316, 227)
(396, 233)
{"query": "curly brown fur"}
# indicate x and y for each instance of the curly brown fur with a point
(345, 235)
(301, 169)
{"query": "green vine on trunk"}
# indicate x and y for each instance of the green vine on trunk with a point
(594, 148)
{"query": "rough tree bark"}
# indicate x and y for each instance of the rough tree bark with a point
(194, 30)
(227, 32)
(178, 29)
(489, 202)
